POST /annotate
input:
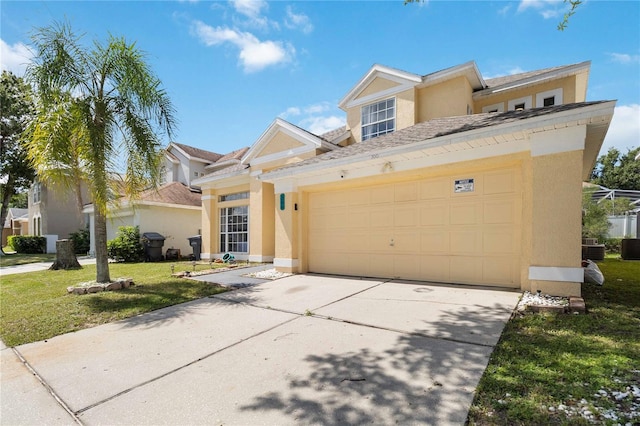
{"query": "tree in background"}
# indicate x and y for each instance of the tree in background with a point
(618, 171)
(101, 105)
(16, 108)
(594, 217)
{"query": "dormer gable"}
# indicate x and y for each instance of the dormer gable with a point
(283, 140)
(379, 81)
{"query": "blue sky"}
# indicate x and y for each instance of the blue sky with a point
(232, 67)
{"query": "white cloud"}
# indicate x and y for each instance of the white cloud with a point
(255, 55)
(547, 8)
(249, 8)
(290, 112)
(504, 10)
(624, 58)
(14, 58)
(320, 125)
(298, 20)
(624, 131)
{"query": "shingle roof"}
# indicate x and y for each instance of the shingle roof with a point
(199, 153)
(333, 134)
(499, 81)
(234, 155)
(173, 193)
(436, 128)
(229, 170)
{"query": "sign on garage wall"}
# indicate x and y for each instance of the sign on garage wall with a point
(463, 185)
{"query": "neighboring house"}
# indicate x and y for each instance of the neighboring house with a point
(445, 177)
(16, 223)
(54, 211)
(174, 208)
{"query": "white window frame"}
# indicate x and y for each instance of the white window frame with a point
(556, 93)
(526, 100)
(373, 123)
(234, 235)
(499, 107)
(37, 192)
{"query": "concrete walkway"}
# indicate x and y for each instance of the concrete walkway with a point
(307, 349)
(39, 266)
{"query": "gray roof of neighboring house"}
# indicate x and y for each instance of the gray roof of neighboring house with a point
(229, 170)
(199, 153)
(436, 128)
(173, 193)
(15, 213)
(234, 155)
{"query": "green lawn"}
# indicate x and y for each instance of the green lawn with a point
(547, 368)
(35, 306)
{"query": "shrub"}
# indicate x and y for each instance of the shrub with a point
(81, 241)
(126, 246)
(612, 245)
(27, 244)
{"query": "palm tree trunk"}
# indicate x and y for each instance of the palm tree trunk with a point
(102, 259)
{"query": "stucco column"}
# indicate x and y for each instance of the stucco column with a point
(286, 231)
(556, 219)
(262, 221)
(210, 225)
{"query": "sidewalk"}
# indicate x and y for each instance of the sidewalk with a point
(39, 266)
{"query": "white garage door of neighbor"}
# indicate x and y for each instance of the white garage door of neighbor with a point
(456, 229)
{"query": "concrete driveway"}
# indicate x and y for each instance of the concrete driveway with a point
(307, 349)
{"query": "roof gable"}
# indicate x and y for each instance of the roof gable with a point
(396, 81)
(195, 154)
(270, 146)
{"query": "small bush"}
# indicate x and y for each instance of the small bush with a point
(27, 244)
(126, 246)
(612, 245)
(81, 241)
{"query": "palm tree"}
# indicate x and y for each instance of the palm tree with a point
(100, 111)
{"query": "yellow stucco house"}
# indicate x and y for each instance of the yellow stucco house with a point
(445, 177)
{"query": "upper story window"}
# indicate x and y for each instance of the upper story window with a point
(519, 104)
(163, 175)
(549, 98)
(378, 118)
(37, 190)
(233, 197)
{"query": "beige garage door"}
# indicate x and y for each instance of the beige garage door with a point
(457, 229)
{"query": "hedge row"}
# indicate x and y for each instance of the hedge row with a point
(27, 244)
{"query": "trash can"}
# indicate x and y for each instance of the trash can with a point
(196, 243)
(152, 242)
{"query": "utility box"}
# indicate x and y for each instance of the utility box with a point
(196, 243)
(152, 242)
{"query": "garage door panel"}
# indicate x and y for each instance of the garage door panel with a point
(465, 241)
(407, 266)
(406, 242)
(500, 210)
(434, 213)
(381, 217)
(465, 212)
(421, 230)
(382, 194)
(500, 270)
(406, 216)
(434, 189)
(499, 242)
(406, 192)
(380, 266)
(434, 241)
(359, 217)
(465, 269)
(435, 268)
